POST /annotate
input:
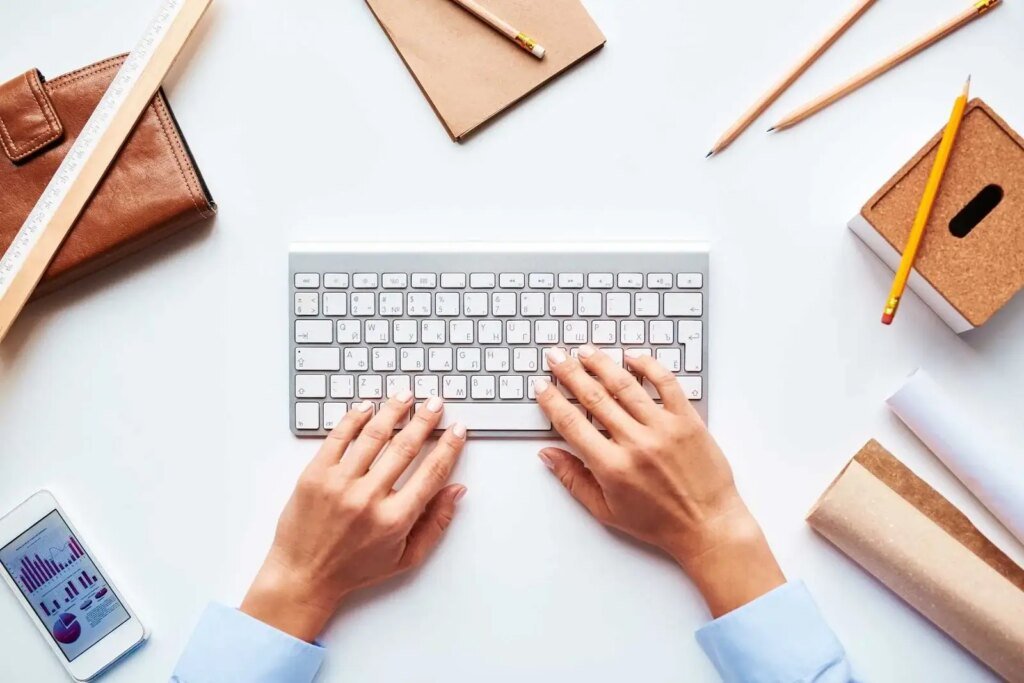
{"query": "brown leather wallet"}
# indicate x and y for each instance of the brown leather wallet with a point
(152, 189)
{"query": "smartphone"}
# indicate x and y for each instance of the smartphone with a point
(68, 596)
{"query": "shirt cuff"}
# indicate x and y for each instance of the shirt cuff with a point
(781, 636)
(228, 645)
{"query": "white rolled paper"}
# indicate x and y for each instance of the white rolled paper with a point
(991, 471)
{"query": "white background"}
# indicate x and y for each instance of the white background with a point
(153, 397)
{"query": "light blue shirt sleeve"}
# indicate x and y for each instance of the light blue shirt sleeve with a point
(229, 646)
(780, 637)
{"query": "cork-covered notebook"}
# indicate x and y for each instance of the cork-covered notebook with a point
(971, 260)
(467, 70)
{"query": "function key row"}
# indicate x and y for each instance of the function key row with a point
(503, 280)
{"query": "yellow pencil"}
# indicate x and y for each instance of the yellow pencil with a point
(924, 211)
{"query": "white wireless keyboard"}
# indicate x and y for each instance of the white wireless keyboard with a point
(469, 322)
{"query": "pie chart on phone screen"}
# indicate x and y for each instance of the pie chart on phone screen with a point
(66, 629)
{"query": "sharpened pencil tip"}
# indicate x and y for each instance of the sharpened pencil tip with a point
(772, 129)
(967, 85)
(708, 155)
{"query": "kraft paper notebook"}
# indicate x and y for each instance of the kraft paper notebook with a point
(468, 71)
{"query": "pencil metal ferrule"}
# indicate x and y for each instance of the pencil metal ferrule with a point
(985, 5)
(526, 42)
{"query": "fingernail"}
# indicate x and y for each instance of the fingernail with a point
(635, 353)
(434, 404)
(540, 386)
(587, 350)
(459, 430)
(364, 407)
(460, 494)
(555, 355)
(403, 396)
(546, 459)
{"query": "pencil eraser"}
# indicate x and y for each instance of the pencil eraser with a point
(887, 318)
(538, 51)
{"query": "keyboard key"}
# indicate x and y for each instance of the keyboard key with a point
(588, 304)
(343, 386)
(546, 331)
(632, 332)
(488, 331)
(392, 304)
(600, 280)
(496, 416)
(307, 280)
(461, 331)
(468, 360)
(413, 360)
(670, 359)
(690, 280)
(333, 413)
(542, 280)
(424, 280)
(691, 335)
(575, 331)
(336, 280)
(396, 384)
(314, 332)
(474, 304)
(570, 280)
(503, 304)
(496, 360)
(307, 304)
(356, 359)
(432, 331)
(364, 304)
(531, 304)
(560, 304)
(684, 305)
(531, 392)
(446, 304)
(618, 304)
(454, 387)
(395, 281)
(350, 332)
(453, 280)
(317, 358)
(384, 359)
(481, 280)
(511, 387)
(377, 332)
(662, 332)
(418, 303)
(631, 281)
(365, 281)
(693, 386)
(310, 386)
(404, 331)
(603, 332)
(482, 387)
(517, 331)
(335, 304)
(512, 280)
(371, 386)
(440, 359)
(646, 305)
(659, 281)
(425, 386)
(307, 416)
(525, 359)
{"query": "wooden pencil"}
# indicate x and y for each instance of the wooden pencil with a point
(503, 27)
(783, 84)
(979, 9)
(924, 210)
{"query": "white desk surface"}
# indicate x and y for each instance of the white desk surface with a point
(153, 397)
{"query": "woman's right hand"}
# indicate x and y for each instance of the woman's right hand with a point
(657, 475)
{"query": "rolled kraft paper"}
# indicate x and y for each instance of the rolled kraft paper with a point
(992, 472)
(926, 551)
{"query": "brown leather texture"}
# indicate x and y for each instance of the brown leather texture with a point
(152, 190)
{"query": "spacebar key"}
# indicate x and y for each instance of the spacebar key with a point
(519, 417)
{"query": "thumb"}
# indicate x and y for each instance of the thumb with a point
(427, 531)
(578, 481)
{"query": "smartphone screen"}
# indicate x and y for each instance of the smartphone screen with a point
(63, 585)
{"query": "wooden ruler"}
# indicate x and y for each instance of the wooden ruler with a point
(94, 150)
